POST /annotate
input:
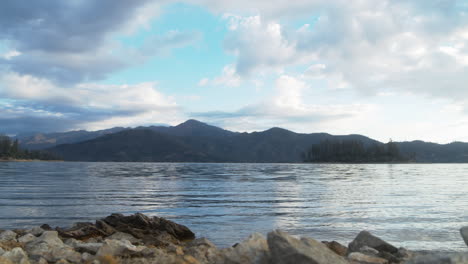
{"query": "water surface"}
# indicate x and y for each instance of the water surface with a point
(419, 206)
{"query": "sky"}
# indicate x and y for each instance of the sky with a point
(387, 69)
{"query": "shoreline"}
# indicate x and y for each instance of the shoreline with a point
(141, 239)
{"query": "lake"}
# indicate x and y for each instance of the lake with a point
(418, 206)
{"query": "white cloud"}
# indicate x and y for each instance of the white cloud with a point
(228, 78)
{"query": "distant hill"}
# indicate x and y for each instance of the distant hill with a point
(37, 141)
(435, 153)
(194, 141)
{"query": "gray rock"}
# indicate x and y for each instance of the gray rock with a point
(85, 257)
(8, 235)
(92, 248)
(203, 250)
(362, 258)
(118, 248)
(365, 238)
(124, 236)
(17, 255)
(26, 238)
(455, 258)
(44, 243)
(37, 231)
(369, 251)
(52, 248)
(253, 250)
(1, 251)
(4, 260)
(286, 249)
(464, 234)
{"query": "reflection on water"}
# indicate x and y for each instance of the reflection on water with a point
(417, 206)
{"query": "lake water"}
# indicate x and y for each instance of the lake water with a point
(417, 206)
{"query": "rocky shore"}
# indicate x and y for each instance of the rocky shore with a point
(141, 239)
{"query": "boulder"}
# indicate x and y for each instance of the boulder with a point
(44, 243)
(37, 231)
(4, 260)
(7, 235)
(337, 248)
(81, 231)
(369, 251)
(118, 248)
(124, 236)
(365, 238)
(365, 259)
(253, 250)
(88, 247)
(203, 250)
(1, 251)
(285, 249)
(26, 238)
(17, 255)
(62, 253)
(140, 225)
(464, 234)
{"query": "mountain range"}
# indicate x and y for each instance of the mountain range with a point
(194, 141)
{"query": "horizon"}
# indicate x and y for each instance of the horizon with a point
(384, 70)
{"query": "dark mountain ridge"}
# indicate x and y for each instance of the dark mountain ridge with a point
(194, 141)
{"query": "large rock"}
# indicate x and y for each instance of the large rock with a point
(17, 255)
(285, 249)
(82, 231)
(140, 226)
(124, 236)
(365, 238)
(202, 249)
(50, 247)
(118, 248)
(337, 248)
(363, 258)
(8, 235)
(253, 250)
(26, 238)
(37, 231)
(464, 234)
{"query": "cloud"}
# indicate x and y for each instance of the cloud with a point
(416, 46)
(70, 42)
(229, 78)
(34, 100)
(286, 107)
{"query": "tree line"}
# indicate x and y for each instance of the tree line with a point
(354, 151)
(10, 149)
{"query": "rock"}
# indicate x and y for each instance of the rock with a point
(49, 246)
(88, 247)
(365, 238)
(455, 258)
(4, 260)
(62, 261)
(203, 250)
(65, 252)
(118, 248)
(17, 255)
(337, 248)
(124, 236)
(390, 257)
(26, 238)
(46, 227)
(140, 225)
(464, 234)
(44, 243)
(369, 251)
(362, 258)
(86, 257)
(82, 231)
(8, 235)
(37, 231)
(1, 251)
(286, 249)
(253, 250)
